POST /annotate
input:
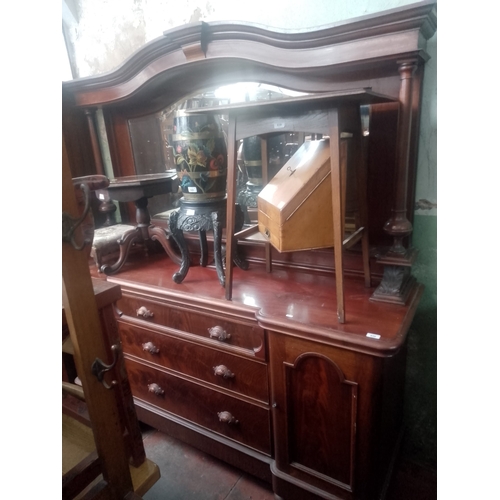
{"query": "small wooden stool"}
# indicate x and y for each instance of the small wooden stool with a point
(105, 242)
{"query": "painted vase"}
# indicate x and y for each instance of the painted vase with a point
(200, 155)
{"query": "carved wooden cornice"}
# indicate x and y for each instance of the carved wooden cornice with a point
(242, 50)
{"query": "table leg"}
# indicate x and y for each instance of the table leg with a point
(202, 234)
(334, 122)
(178, 236)
(159, 234)
(238, 225)
(217, 227)
(125, 243)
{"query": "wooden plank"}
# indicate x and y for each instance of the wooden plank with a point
(88, 343)
(231, 200)
(335, 128)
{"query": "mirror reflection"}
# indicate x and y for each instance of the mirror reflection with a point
(196, 146)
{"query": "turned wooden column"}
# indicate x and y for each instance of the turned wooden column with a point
(397, 281)
(106, 207)
(398, 226)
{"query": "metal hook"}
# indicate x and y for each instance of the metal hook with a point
(99, 368)
(70, 224)
(289, 168)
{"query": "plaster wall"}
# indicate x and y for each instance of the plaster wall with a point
(101, 34)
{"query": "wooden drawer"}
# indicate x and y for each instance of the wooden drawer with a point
(237, 334)
(201, 405)
(247, 376)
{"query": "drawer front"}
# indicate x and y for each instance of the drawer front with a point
(208, 408)
(219, 329)
(235, 373)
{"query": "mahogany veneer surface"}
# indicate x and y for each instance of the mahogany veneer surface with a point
(284, 300)
(248, 378)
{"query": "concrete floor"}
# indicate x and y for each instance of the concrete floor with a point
(188, 474)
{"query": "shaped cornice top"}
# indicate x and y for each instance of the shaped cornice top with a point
(224, 52)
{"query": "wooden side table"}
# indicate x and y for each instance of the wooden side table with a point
(138, 188)
(328, 114)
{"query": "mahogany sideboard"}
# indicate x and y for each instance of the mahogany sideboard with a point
(270, 381)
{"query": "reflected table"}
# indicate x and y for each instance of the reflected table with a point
(138, 188)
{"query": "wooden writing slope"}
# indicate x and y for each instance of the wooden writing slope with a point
(329, 114)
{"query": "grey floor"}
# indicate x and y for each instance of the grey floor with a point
(188, 474)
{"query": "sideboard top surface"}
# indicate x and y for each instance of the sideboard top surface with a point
(290, 301)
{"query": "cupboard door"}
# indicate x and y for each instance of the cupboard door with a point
(321, 408)
(315, 412)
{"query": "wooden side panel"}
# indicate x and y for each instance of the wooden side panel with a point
(147, 147)
(122, 157)
(77, 140)
(89, 344)
(322, 418)
(381, 158)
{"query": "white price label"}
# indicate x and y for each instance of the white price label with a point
(373, 335)
(192, 189)
(189, 211)
(279, 125)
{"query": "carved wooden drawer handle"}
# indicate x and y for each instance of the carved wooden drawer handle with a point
(223, 371)
(219, 333)
(226, 417)
(150, 347)
(156, 389)
(143, 312)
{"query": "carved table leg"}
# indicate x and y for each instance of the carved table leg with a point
(203, 248)
(178, 236)
(238, 259)
(125, 242)
(217, 226)
(159, 234)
